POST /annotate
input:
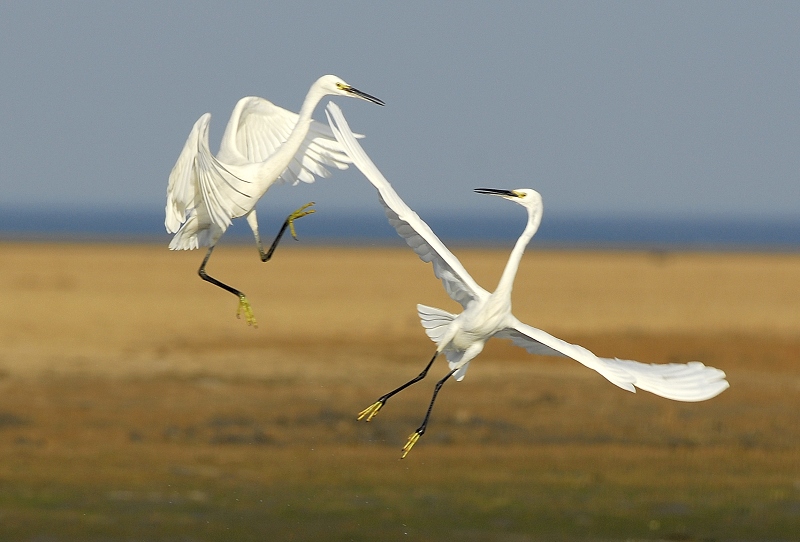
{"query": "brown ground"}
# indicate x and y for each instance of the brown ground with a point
(135, 406)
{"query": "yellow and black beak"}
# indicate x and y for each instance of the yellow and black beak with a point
(498, 192)
(363, 95)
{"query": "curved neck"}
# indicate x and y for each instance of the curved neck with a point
(315, 94)
(300, 129)
(506, 283)
(284, 154)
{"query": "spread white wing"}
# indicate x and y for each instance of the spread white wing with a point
(214, 190)
(689, 382)
(258, 128)
(200, 185)
(459, 284)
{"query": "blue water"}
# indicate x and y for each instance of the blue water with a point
(372, 229)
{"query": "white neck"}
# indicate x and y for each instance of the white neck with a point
(304, 118)
(506, 283)
(278, 162)
(315, 94)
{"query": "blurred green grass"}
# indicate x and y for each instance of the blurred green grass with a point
(524, 449)
(601, 492)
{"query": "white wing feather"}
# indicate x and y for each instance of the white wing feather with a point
(689, 382)
(182, 189)
(205, 193)
(198, 180)
(459, 284)
(258, 128)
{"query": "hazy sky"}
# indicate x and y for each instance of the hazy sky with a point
(606, 108)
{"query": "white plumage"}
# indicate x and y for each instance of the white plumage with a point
(462, 337)
(262, 144)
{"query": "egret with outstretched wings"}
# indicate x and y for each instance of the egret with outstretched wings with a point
(262, 144)
(461, 337)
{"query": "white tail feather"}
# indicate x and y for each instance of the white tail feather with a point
(435, 321)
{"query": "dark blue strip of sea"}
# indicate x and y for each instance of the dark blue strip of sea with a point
(373, 229)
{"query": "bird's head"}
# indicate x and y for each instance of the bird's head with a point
(527, 197)
(331, 84)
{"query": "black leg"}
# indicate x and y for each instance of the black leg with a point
(208, 278)
(412, 440)
(373, 409)
(244, 305)
(288, 223)
(265, 257)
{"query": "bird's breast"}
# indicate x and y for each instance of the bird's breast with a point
(477, 324)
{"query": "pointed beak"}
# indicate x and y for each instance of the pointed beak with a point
(364, 96)
(497, 192)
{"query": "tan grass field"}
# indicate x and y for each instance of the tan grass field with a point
(135, 406)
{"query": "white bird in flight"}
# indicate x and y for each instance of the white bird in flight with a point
(262, 144)
(461, 337)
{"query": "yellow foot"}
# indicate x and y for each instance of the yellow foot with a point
(371, 410)
(244, 307)
(299, 213)
(412, 440)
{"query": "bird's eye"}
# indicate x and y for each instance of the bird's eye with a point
(341, 86)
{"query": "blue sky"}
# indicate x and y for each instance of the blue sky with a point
(606, 108)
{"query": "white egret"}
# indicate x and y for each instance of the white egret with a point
(486, 314)
(262, 144)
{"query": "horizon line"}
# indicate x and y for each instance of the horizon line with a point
(704, 233)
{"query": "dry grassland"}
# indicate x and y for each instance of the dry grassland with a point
(135, 406)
